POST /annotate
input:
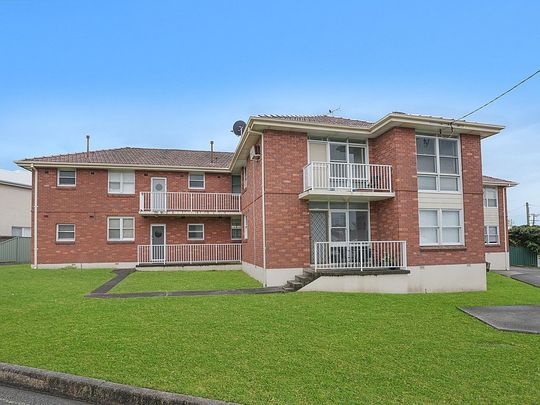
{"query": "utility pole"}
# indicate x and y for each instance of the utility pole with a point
(527, 212)
(534, 216)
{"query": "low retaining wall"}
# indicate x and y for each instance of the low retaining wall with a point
(90, 389)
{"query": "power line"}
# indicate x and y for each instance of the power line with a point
(499, 96)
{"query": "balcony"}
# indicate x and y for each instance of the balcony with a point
(361, 255)
(351, 181)
(189, 253)
(186, 204)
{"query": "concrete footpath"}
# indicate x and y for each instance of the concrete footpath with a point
(87, 390)
(529, 275)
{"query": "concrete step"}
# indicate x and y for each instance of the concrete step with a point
(295, 284)
(304, 278)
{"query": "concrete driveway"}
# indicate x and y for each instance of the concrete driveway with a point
(529, 275)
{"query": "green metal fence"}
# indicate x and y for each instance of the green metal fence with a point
(15, 250)
(520, 256)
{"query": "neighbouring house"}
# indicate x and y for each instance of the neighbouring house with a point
(496, 222)
(16, 203)
(317, 202)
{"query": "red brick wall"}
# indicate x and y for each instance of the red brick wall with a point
(397, 218)
(88, 205)
(287, 217)
(251, 200)
(503, 231)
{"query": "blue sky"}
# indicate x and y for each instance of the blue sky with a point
(178, 74)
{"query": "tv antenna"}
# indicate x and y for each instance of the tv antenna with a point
(331, 112)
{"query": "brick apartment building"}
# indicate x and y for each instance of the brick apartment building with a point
(399, 205)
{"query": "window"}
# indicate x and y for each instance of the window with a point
(245, 222)
(236, 228)
(65, 232)
(121, 182)
(491, 235)
(437, 163)
(490, 197)
(196, 180)
(236, 186)
(440, 227)
(245, 176)
(195, 231)
(67, 178)
(120, 228)
(23, 231)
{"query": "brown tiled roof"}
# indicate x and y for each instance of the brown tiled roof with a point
(322, 119)
(142, 156)
(489, 179)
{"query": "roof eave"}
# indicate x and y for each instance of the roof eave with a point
(26, 164)
(433, 123)
(304, 126)
(499, 183)
(14, 184)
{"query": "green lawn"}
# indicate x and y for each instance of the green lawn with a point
(278, 348)
(185, 280)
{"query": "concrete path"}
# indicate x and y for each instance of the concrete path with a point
(103, 290)
(517, 318)
(529, 275)
(16, 396)
(262, 290)
(109, 285)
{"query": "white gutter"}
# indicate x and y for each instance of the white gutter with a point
(30, 164)
(35, 230)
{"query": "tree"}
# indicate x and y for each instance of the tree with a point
(525, 236)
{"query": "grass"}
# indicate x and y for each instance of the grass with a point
(299, 348)
(185, 280)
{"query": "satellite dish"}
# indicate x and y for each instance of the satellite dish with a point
(238, 128)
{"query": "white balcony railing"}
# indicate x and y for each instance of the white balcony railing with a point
(180, 202)
(368, 255)
(190, 253)
(347, 176)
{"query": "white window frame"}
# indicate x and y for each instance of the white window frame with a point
(203, 180)
(245, 226)
(123, 182)
(486, 199)
(487, 235)
(122, 238)
(188, 231)
(236, 227)
(244, 177)
(440, 227)
(437, 174)
(66, 170)
(239, 177)
(26, 231)
(65, 240)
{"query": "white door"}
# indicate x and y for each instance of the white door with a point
(159, 194)
(157, 239)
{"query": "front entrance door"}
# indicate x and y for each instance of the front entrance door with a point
(159, 194)
(157, 238)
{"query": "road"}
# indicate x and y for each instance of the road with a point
(15, 396)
